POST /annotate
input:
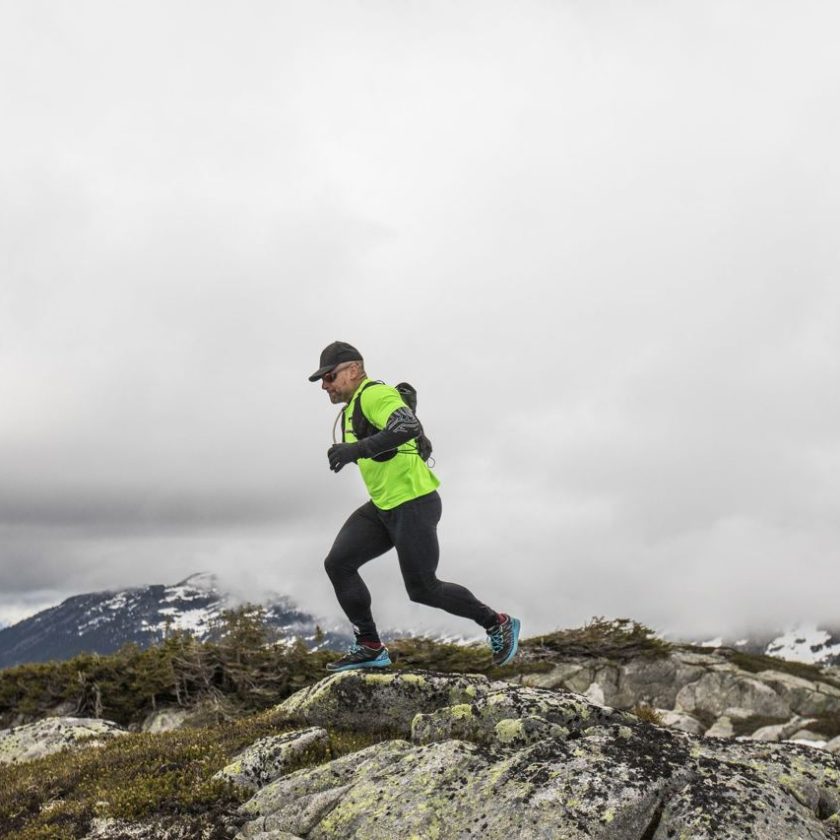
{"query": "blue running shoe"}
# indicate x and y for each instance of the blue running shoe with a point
(361, 656)
(504, 640)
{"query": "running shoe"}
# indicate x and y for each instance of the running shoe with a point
(361, 656)
(504, 640)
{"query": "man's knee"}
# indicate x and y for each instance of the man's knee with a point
(423, 591)
(333, 565)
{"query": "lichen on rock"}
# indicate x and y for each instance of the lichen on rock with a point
(270, 757)
(51, 735)
(497, 761)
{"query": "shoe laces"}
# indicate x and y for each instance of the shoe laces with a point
(497, 640)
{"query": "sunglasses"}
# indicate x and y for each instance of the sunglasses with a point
(331, 376)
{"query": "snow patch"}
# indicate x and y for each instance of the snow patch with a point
(804, 643)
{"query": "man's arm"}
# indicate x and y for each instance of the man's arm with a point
(402, 426)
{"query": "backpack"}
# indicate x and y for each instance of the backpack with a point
(362, 427)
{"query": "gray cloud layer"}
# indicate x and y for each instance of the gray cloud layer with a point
(599, 239)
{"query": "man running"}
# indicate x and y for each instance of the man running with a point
(380, 433)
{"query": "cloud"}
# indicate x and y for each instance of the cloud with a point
(599, 240)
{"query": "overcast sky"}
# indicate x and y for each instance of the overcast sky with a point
(600, 238)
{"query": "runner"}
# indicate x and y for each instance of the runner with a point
(402, 513)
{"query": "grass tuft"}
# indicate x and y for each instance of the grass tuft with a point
(619, 639)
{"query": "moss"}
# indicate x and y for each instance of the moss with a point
(147, 776)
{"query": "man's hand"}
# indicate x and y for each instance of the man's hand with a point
(341, 454)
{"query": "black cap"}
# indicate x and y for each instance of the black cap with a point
(333, 355)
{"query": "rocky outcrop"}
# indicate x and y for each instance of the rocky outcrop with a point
(51, 735)
(700, 692)
(271, 757)
(470, 758)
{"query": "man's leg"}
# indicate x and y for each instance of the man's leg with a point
(413, 528)
(362, 537)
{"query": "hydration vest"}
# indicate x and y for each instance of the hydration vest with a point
(362, 427)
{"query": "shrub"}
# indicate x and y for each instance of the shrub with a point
(645, 712)
(620, 639)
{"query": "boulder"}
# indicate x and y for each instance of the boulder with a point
(803, 696)
(780, 731)
(805, 736)
(719, 690)
(377, 702)
(721, 728)
(270, 757)
(572, 676)
(165, 720)
(51, 735)
(724, 726)
(513, 715)
(595, 694)
(497, 761)
(681, 721)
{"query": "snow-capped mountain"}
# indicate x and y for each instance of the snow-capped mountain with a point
(102, 622)
(805, 642)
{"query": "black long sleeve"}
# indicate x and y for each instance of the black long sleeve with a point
(402, 426)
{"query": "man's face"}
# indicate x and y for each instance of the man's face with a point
(340, 383)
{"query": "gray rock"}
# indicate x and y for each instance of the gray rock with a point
(51, 735)
(700, 684)
(681, 721)
(724, 726)
(805, 736)
(595, 694)
(107, 828)
(780, 731)
(803, 697)
(500, 762)
(294, 803)
(269, 758)
(833, 746)
(571, 676)
(271, 835)
(165, 720)
(719, 690)
(721, 728)
(389, 700)
(513, 714)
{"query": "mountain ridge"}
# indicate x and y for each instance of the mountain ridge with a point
(102, 622)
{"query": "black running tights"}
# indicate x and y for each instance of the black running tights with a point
(411, 528)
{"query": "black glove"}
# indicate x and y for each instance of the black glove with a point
(341, 454)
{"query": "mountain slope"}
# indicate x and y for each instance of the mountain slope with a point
(102, 622)
(805, 642)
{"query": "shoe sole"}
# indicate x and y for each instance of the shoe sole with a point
(515, 625)
(374, 663)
